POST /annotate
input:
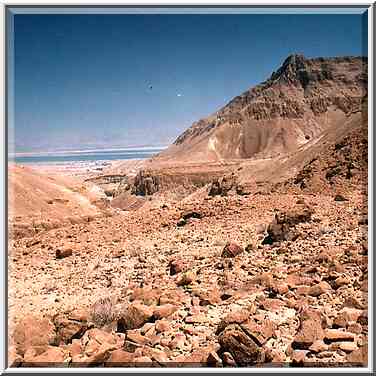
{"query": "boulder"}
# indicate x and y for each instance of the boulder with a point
(135, 316)
(164, 310)
(120, 358)
(221, 186)
(232, 250)
(147, 295)
(70, 325)
(64, 252)
(319, 289)
(33, 331)
(340, 198)
(335, 335)
(346, 316)
(191, 214)
(176, 266)
(145, 184)
(310, 330)
(283, 226)
(96, 346)
(186, 278)
(243, 348)
(50, 357)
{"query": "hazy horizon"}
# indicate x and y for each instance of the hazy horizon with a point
(116, 81)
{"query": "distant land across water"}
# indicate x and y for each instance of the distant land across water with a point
(85, 155)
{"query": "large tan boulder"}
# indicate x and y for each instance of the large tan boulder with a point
(135, 316)
(34, 331)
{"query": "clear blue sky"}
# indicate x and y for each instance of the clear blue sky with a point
(83, 80)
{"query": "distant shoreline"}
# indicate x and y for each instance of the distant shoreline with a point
(80, 156)
(89, 151)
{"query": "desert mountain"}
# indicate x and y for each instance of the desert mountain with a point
(298, 103)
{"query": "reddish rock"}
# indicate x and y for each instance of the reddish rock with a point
(358, 357)
(135, 316)
(298, 357)
(310, 329)
(318, 346)
(33, 331)
(165, 310)
(243, 348)
(344, 346)
(273, 305)
(264, 279)
(363, 318)
(62, 253)
(354, 327)
(162, 326)
(96, 345)
(186, 278)
(364, 286)
(228, 359)
(232, 250)
(283, 226)
(136, 337)
(70, 325)
(346, 316)
(341, 281)
(120, 358)
(176, 266)
(353, 302)
(338, 335)
(14, 359)
(51, 357)
(175, 296)
(147, 295)
(208, 296)
(236, 317)
(319, 289)
(213, 360)
(260, 331)
(143, 361)
(156, 355)
(199, 318)
(280, 287)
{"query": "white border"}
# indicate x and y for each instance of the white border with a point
(370, 184)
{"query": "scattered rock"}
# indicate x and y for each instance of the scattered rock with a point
(32, 332)
(163, 311)
(191, 214)
(176, 266)
(283, 226)
(135, 316)
(232, 250)
(243, 348)
(340, 198)
(319, 289)
(62, 253)
(310, 329)
(186, 278)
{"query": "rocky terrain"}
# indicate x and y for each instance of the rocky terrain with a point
(255, 259)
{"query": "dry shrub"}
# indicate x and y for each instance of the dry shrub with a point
(103, 312)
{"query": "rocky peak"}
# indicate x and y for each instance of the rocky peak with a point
(293, 71)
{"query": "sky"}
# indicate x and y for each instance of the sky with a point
(102, 81)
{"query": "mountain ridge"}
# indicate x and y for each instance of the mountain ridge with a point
(299, 100)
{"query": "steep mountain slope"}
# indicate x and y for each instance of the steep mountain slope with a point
(301, 100)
